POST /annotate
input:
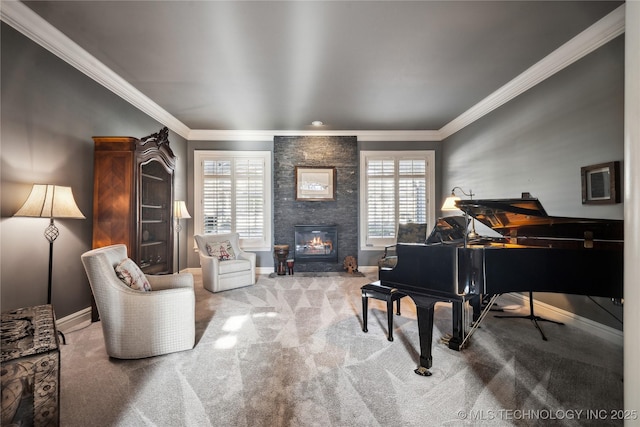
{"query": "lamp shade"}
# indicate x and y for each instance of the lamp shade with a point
(180, 210)
(450, 203)
(50, 201)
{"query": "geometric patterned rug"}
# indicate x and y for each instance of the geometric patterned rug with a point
(290, 351)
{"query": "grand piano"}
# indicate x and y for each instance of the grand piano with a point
(528, 251)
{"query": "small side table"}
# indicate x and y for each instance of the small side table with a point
(30, 358)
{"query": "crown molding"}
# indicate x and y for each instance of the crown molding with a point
(24, 20)
(603, 31)
(46, 35)
(268, 135)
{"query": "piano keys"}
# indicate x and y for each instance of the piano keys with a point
(531, 251)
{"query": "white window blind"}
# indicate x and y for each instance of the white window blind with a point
(249, 198)
(412, 192)
(216, 197)
(381, 199)
(396, 188)
(233, 189)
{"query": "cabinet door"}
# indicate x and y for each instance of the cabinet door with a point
(113, 203)
(155, 227)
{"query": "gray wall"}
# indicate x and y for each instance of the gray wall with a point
(49, 113)
(539, 141)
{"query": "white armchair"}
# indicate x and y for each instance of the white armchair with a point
(138, 324)
(220, 275)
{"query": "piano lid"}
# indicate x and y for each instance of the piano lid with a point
(504, 213)
(528, 217)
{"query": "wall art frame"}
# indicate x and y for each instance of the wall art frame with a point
(601, 183)
(315, 184)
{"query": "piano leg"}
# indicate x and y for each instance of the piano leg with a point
(425, 328)
(457, 319)
(476, 303)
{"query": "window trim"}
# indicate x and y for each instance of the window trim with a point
(430, 173)
(199, 156)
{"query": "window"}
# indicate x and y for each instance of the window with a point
(396, 188)
(233, 193)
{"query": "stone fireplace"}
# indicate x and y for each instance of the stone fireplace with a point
(316, 243)
(340, 152)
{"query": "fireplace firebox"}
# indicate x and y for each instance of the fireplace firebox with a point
(316, 243)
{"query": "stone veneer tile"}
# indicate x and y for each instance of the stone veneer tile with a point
(313, 151)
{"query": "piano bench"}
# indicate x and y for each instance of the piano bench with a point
(384, 293)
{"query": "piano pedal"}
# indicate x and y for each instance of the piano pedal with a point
(451, 342)
(445, 339)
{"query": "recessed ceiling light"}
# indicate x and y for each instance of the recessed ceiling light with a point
(317, 123)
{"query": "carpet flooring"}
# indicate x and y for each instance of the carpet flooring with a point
(290, 351)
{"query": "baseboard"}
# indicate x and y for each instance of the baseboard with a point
(269, 270)
(259, 270)
(551, 312)
(265, 270)
(368, 268)
(79, 319)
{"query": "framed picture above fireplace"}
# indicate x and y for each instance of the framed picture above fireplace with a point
(315, 184)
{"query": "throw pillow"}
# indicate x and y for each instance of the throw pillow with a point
(221, 250)
(131, 275)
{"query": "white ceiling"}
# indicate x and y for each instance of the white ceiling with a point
(355, 65)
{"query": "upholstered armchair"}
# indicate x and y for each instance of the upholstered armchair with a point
(224, 265)
(155, 318)
(407, 233)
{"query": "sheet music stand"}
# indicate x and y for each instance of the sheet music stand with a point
(534, 319)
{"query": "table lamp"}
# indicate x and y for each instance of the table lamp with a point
(450, 205)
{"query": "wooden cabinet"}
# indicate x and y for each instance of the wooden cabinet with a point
(133, 198)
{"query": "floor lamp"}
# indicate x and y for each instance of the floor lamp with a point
(50, 201)
(179, 211)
